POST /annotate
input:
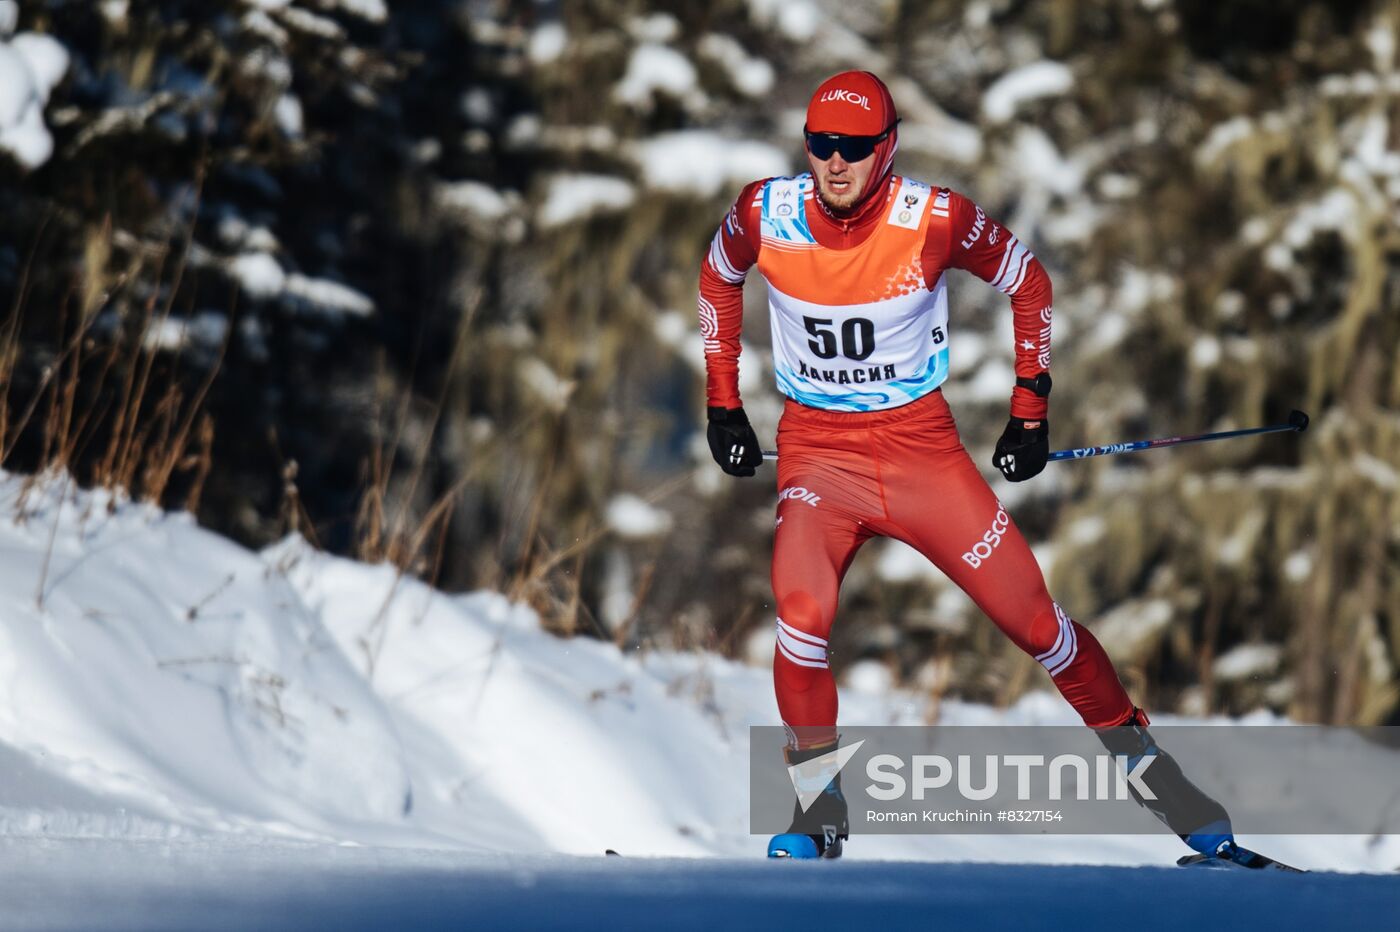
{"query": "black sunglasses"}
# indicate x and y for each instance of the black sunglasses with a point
(852, 148)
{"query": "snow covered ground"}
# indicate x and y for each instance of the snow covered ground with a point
(251, 886)
(169, 697)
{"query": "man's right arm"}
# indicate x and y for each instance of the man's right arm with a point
(733, 251)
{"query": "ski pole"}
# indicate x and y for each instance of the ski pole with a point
(1297, 421)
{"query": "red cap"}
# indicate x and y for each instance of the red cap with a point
(852, 103)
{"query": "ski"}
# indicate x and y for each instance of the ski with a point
(1235, 856)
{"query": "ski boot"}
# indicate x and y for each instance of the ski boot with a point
(1196, 819)
(820, 829)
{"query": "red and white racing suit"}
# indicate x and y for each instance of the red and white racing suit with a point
(867, 445)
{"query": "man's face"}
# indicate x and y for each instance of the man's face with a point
(839, 182)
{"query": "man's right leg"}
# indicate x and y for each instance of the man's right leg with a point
(813, 545)
(814, 542)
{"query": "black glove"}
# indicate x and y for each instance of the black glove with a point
(733, 443)
(1023, 450)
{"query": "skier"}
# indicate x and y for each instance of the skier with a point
(855, 258)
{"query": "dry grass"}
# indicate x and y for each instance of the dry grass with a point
(122, 389)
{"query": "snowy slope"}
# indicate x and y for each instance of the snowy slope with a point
(160, 682)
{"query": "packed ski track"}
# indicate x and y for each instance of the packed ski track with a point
(152, 885)
(193, 734)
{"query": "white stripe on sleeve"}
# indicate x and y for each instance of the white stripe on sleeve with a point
(719, 261)
(1021, 275)
(1013, 265)
(1005, 255)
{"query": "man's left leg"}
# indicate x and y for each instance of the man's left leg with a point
(967, 533)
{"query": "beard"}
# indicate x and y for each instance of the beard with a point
(839, 202)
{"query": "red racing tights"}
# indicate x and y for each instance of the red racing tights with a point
(903, 473)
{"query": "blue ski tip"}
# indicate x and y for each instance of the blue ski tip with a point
(1298, 421)
(792, 846)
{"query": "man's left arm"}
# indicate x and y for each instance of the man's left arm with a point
(988, 250)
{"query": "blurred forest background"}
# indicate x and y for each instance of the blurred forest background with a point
(416, 280)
